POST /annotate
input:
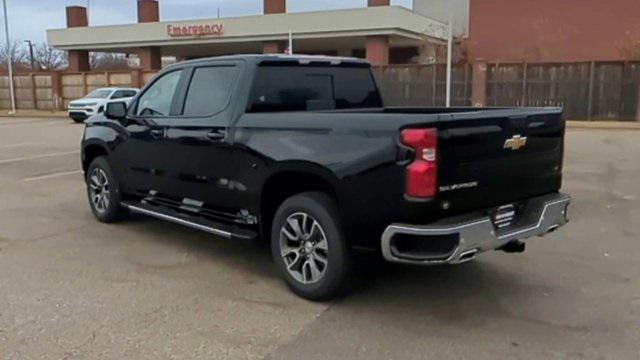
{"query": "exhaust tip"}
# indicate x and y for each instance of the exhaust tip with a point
(467, 256)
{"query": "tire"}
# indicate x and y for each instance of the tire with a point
(77, 121)
(103, 191)
(314, 260)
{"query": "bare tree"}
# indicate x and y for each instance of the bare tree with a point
(19, 56)
(108, 61)
(49, 58)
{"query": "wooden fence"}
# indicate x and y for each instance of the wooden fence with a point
(423, 85)
(586, 90)
(54, 90)
(589, 90)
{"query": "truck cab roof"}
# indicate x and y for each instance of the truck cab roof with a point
(283, 58)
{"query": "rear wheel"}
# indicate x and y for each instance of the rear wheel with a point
(309, 248)
(103, 191)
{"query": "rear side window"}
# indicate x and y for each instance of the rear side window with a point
(210, 90)
(309, 88)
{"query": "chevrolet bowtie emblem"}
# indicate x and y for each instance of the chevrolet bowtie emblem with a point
(515, 143)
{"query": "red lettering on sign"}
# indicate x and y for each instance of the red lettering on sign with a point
(195, 30)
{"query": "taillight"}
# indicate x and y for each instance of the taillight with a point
(422, 173)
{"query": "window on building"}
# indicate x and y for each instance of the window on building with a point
(210, 90)
(309, 88)
(157, 100)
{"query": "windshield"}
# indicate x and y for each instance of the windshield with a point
(98, 94)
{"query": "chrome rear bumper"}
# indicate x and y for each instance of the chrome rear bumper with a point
(476, 233)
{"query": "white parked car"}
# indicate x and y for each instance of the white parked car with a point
(96, 101)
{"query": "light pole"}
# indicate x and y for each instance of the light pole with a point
(33, 64)
(9, 59)
(449, 60)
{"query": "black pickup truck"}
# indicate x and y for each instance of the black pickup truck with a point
(299, 151)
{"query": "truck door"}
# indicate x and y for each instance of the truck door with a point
(142, 155)
(199, 147)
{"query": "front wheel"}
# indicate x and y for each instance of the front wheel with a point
(103, 191)
(309, 248)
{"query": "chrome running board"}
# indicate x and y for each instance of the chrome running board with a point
(167, 214)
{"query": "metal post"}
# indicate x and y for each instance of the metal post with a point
(290, 51)
(9, 59)
(592, 76)
(33, 65)
(525, 80)
(449, 61)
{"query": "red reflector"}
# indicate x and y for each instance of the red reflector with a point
(422, 173)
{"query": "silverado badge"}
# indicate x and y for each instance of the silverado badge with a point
(516, 142)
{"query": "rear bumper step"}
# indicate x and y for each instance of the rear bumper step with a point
(460, 239)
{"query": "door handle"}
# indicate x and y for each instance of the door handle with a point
(217, 135)
(157, 133)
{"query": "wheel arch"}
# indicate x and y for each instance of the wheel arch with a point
(91, 151)
(291, 179)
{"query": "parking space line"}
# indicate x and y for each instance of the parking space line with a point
(26, 122)
(20, 145)
(51, 176)
(36, 157)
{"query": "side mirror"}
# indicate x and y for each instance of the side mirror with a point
(116, 110)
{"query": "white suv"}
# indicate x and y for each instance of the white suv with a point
(96, 101)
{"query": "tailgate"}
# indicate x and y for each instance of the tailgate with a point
(498, 157)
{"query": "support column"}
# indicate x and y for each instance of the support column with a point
(148, 11)
(479, 84)
(275, 7)
(378, 50)
(78, 59)
(150, 58)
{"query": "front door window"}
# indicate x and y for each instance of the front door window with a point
(157, 100)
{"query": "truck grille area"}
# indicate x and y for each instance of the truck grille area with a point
(424, 248)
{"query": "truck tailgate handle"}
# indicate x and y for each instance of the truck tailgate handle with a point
(218, 135)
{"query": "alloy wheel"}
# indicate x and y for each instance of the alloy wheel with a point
(99, 190)
(304, 248)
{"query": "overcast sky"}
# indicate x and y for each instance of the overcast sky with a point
(29, 19)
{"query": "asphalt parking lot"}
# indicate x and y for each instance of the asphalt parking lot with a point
(71, 287)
